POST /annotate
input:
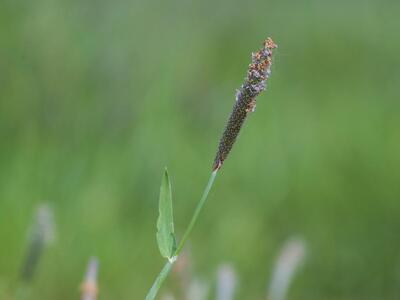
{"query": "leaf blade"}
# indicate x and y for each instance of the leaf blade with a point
(165, 224)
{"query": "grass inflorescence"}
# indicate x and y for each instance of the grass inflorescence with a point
(255, 82)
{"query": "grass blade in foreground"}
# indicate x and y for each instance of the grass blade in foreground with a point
(165, 223)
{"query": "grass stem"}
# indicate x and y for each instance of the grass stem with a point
(197, 211)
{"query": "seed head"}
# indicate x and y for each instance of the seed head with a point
(255, 82)
(41, 234)
(89, 285)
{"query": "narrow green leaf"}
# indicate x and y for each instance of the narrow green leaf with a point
(165, 223)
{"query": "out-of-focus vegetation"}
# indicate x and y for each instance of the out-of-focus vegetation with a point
(97, 97)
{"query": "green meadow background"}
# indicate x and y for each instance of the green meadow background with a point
(96, 97)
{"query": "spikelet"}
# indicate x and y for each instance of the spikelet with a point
(89, 285)
(291, 257)
(255, 82)
(41, 234)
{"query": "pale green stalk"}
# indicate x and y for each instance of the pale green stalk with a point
(196, 212)
(168, 266)
(159, 280)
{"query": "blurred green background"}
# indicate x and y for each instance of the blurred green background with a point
(96, 97)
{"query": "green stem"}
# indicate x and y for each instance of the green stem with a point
(167, 267)
(196, 212)
(158, 282)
